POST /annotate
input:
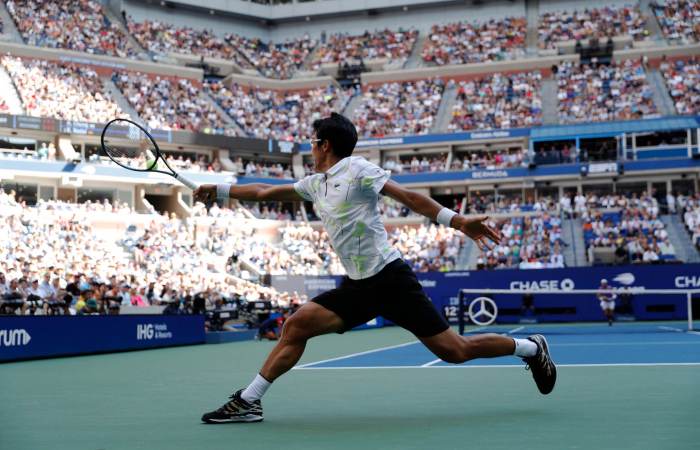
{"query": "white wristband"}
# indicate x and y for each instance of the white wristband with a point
(445, 216)
(222, 191)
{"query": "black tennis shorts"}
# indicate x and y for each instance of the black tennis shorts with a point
(394, 293)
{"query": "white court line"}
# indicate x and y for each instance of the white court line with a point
(622, 344)
(405, 344)
(493, 366)
(304, 366)
(435, 361)
(679, 330)
(514, 330)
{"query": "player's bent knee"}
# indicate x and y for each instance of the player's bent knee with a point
(294, 330)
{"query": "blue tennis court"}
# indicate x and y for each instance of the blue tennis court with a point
(571, 345)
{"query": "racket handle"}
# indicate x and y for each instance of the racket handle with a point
(190, 184)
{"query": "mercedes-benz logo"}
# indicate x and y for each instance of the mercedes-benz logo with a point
(483, 311)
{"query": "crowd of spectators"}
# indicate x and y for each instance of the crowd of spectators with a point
(679, 19)
(529, 242)
(630, 225)
(282, 115)
(54, 261)
(187, 163)
(464, 42)
(61, 90)
(556, 153)
(498, 101)
(250, 168)
(395, 46)
(407, 107)
(302, 250)
(71, 24)
(598, 92)
(416, 163)
(163, 38)
(689, 208)
(428, 248)
(683, 82)
(174, 104)
(391, 209)
(489, 203)
(274, 60)
(272, 211)
(598, 23)
(489, 160)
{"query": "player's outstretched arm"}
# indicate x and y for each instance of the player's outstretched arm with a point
(256, 192)
(475, 227)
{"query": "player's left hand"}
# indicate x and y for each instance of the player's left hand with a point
(478, 230)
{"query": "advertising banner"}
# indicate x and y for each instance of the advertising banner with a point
(443, 289)
(26, 337)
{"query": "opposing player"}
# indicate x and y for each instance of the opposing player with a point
(607, 301)
(345, 192)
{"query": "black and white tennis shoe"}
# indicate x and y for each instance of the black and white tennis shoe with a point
(544, 371)
(236, 410)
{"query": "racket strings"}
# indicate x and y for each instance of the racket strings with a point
(134, 149)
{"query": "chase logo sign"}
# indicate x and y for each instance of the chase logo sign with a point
(566, 284)
(687, 281)
(14, 338)
(151, 331)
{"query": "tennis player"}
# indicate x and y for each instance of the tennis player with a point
(345, 190)
(607, 301)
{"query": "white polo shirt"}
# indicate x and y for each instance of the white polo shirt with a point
(345, 198)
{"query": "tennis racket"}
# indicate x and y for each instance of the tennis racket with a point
(130, 146)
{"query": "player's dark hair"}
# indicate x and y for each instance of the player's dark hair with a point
(339, 131)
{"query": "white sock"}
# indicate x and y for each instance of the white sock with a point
(525, 348)
(256, 389)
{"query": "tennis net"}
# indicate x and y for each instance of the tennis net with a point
(577, 311)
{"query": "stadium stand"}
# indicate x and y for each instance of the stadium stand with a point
(529, 242)
(683, 82)
(689, 208)
(249, 167)
(679, 19)
(274, 60)
(175, 104)
(489, 160)
(283, 115)
(597, 92)
(628, 225)
(75, 25)
(498, 101)
(597, 23)
(162, 38)
(428, 248)
(394, 46)
(164, 264)
(61, 90)
(464, 42)
(399, 108)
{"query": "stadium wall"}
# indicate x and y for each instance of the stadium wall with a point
(30, 337)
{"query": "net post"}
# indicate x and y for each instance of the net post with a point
(460, 311)
(689, 297)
